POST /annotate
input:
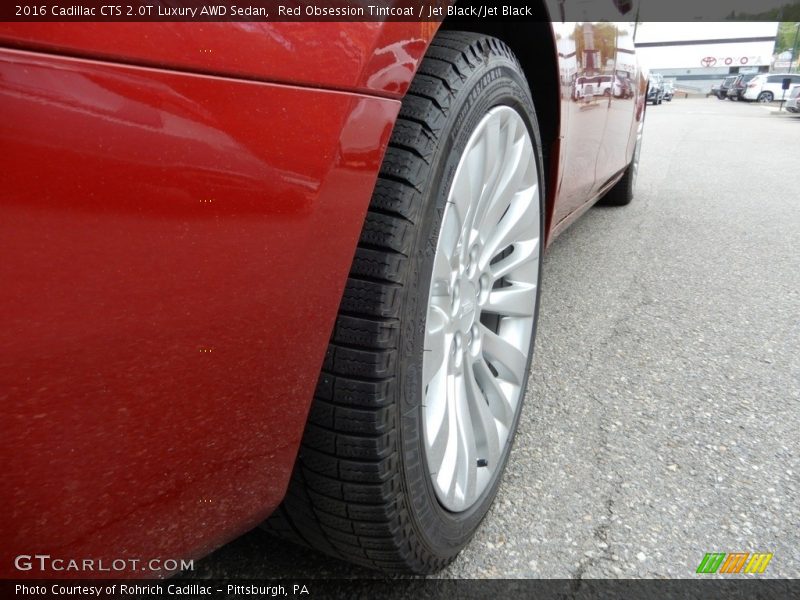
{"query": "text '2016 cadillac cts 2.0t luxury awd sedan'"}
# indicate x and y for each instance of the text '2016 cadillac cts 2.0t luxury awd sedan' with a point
(284, 273)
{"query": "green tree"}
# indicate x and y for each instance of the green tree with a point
(785, 37)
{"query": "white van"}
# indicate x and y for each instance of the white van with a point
(769, 87)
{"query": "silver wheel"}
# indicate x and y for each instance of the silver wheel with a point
(765, 97)
(481, 308)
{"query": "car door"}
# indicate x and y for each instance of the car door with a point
(614, 154)
(583, 113)
(774, 85)
(597, 126)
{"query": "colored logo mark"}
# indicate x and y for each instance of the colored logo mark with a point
(736, 562)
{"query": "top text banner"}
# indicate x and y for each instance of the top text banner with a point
(395, 10)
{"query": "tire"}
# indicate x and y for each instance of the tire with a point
(362, 489)
(622, 192)
(765, 97)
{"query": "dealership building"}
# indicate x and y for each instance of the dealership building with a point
(698, 55)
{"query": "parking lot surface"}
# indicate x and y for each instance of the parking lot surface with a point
(662, 419)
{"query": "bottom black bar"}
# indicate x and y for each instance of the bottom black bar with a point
(412, 589)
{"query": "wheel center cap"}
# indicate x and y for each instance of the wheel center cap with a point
(469, 305)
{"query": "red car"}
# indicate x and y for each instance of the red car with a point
(282, 271)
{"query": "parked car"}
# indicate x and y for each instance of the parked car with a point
(607, 83)
(669, 91)
(296, 277)
(726, 84)
(793, 103)
(655, 89)
(768, 87)
(739, 85)
(586, 87)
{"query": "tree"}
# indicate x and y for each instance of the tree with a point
(785, 37)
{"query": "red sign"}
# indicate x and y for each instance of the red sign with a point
(708, 61)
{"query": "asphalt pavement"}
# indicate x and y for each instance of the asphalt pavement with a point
(662, 419)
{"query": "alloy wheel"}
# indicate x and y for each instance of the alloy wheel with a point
(481, 308)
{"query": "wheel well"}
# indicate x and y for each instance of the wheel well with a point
(533, 44)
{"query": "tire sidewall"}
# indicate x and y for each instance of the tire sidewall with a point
(496, 82)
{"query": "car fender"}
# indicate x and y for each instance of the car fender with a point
(368, 57)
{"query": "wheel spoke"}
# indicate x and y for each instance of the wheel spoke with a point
(447, 473)
(518, 300)
(517, 162)
(437, 344)
(440, 436)
(442, 273)
(476, 172)
(495, 136)
(523, 254)
(519, 223)
(494, 162)
(448, 239)
(509, 360)
(499, 404)
(467, 453)
(467, 187)
(483, 419)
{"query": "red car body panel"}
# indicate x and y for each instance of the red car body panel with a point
(375, 58)
(181, 204)
(174, 250)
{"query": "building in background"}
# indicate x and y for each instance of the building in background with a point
(698, 55)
